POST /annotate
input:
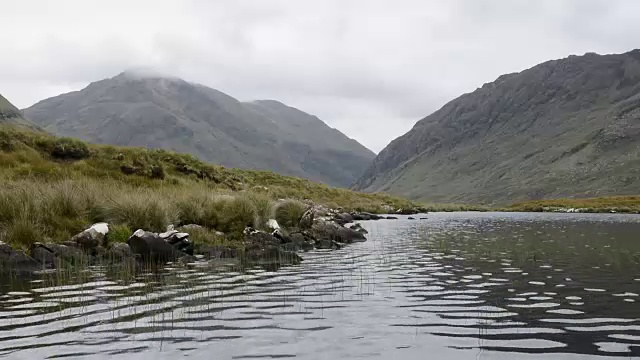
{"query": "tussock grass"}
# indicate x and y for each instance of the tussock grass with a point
(118, 233)
(53, 188)
(289, 212)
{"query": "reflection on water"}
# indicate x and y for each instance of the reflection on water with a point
(464, 286)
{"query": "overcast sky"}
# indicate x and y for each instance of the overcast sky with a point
(369, 68)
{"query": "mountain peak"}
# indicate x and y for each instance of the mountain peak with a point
(150, 109)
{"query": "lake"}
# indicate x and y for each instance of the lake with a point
(451, 286)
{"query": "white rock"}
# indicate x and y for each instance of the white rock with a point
(273, 224)
(102, 228)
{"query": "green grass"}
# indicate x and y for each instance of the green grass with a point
(288, 213)
(621, 204)
(53, 188)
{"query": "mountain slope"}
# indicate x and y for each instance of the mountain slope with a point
(564, 128)
(10, 114)
(171, 113)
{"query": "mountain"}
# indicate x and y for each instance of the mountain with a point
(161, 112)
(564, 128)
(10, 114)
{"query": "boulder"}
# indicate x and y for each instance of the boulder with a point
(271, 256)
(259, 239)
(120, 250)
(179, 240)
(51, 255)
(392, 218)
(344, 218)
(273, 224)
(92, 237)
(151, 247)
(300, 241)
(361, 216)
(411, 218)
(266, 249)
(358, 228)
(328, 244)
(306, 221)
(341, 234)
(43, 255)
(12, 261)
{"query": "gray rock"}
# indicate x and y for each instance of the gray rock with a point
(12, 261)
(332, 231)
(328, 244)
(92, 237)
(392, 218)
(151, 247)
(52, 255)
(307, 219)
(120, 250)
(300, 241)
(344, 218)
(43, 255)
(358, 228)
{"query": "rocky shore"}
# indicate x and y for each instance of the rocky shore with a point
(318, 228)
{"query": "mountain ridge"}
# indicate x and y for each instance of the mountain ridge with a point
(171, 113)
(556, 129)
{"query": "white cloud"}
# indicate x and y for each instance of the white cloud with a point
(368, 68)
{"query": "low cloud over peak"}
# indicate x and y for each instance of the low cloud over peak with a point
(368, 68)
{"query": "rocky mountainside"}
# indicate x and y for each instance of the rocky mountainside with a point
(10, 114)
(564, 128)
(170, 113)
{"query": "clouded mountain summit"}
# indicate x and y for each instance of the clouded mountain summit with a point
(568, 127)
(162, 112)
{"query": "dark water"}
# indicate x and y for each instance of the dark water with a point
(453, 286)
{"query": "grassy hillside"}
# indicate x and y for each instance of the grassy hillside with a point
(55, 187)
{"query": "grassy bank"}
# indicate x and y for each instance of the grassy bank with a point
(618, 204)
(52, 188)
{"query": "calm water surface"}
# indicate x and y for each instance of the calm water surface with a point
(454, 286)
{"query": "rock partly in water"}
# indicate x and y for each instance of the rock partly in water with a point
(120, 251)
(179, 240)
(299, 241)
(264, 248)
(392, 218)
(52, 255)
(151, 247)
(92, 237)
(332, 231)
(358, 228)
(411, 218)
(12, 261)
(344, 218)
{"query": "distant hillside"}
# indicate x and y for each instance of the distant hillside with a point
(173, 114)
(564, 128)
(10, 114)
